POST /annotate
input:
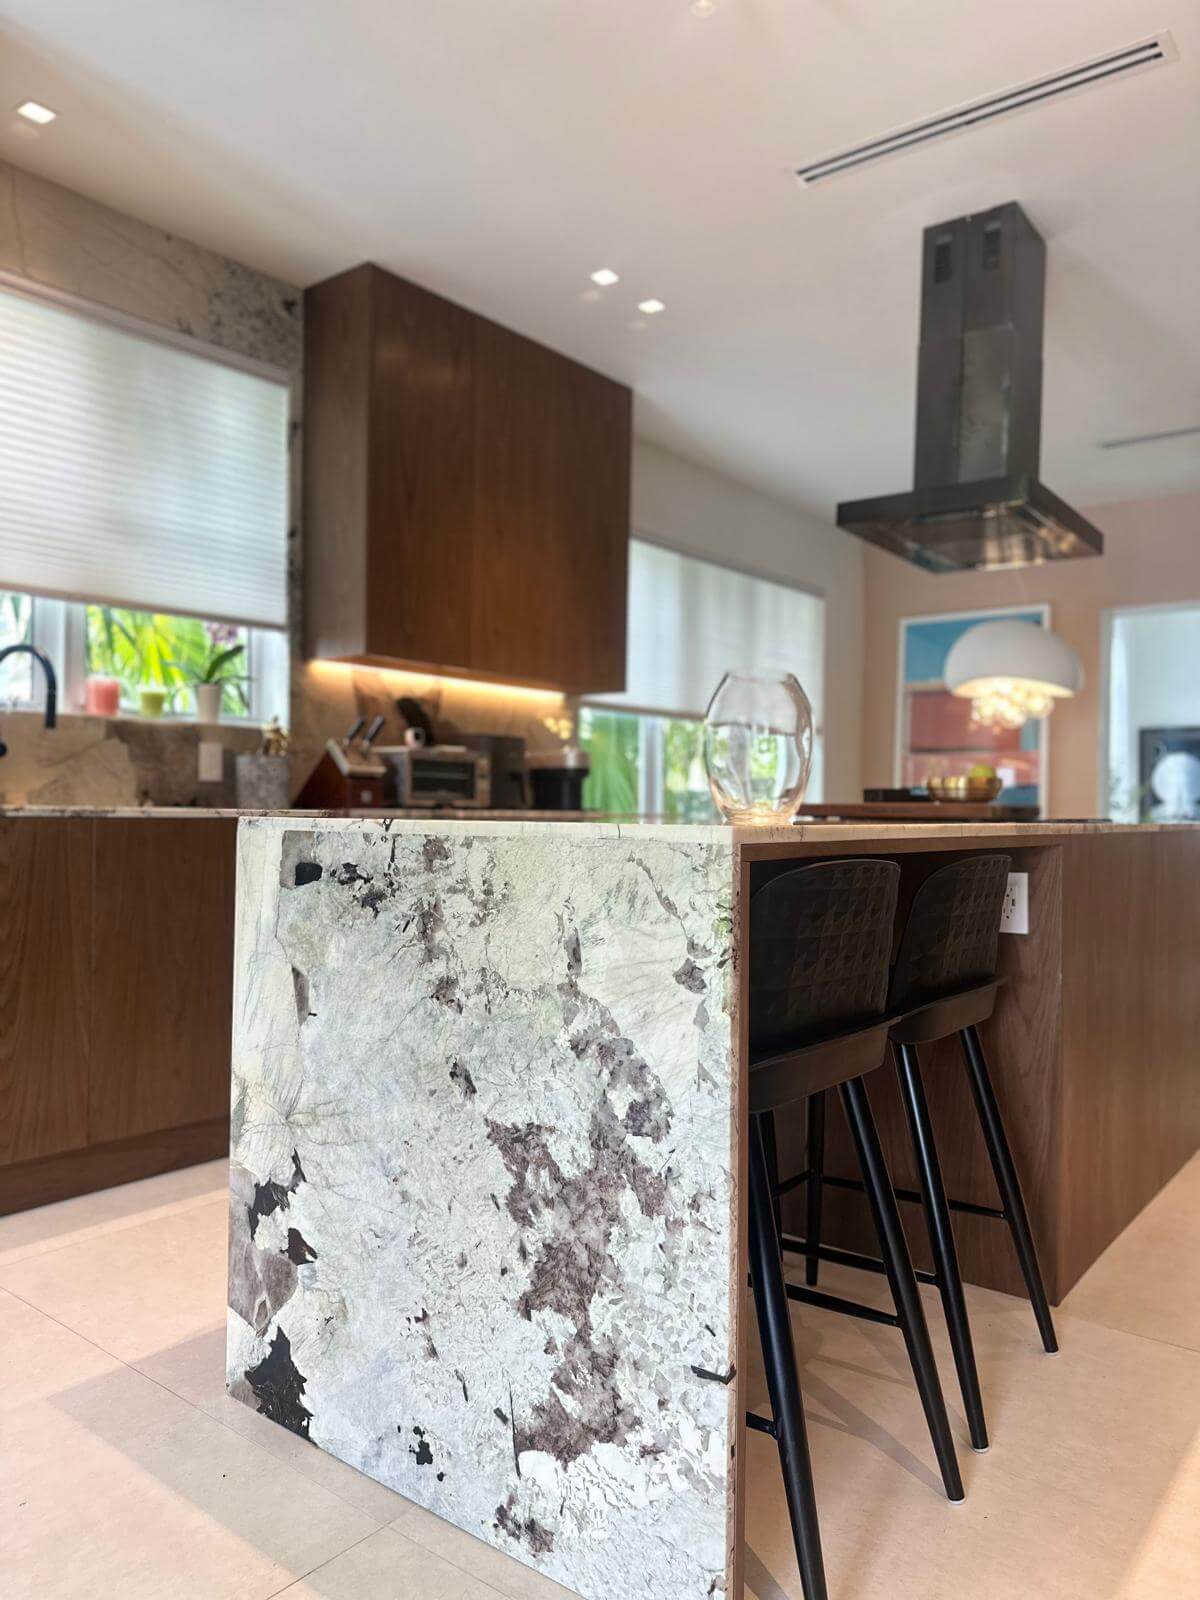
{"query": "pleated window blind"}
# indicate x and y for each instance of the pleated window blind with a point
(691, 621)
(136, 472)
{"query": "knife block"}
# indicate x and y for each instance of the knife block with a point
(342, 781)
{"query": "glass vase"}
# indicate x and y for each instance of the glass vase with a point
(758, 738)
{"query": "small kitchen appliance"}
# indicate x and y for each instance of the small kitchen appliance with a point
(436, 775)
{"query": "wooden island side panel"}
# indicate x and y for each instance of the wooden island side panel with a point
(1131, 1064)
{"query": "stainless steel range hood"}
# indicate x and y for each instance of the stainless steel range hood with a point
(977, 500)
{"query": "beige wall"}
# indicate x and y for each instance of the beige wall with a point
(1151, 557)
(703, 513)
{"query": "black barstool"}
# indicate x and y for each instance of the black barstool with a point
(820, 942)
(944, 982)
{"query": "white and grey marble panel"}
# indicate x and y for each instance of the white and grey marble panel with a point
(482, 1204)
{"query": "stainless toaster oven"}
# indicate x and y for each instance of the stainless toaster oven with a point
(436, 775)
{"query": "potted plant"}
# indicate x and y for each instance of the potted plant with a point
(217, 671)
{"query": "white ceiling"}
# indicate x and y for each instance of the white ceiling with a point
(499, 150)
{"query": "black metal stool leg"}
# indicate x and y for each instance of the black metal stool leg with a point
(779, 1358)
(816, 1183)
(771, 1153)
(1007, 1182)
(941, 1239)
(894, 1250)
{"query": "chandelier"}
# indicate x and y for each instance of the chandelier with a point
(1012, 672)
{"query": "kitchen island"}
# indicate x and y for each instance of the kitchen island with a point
(488, 1134)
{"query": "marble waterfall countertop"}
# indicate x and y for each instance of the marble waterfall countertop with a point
(483, 1233)
(485, 1133)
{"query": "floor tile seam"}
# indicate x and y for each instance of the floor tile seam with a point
(108, 1230)
(390, 1527)
(303, 1577)
(415, 1538)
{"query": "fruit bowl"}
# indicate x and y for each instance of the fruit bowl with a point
(978, 790)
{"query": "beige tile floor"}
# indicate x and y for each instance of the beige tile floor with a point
(127, 1474)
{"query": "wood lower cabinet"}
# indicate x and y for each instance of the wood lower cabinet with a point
(116, 975)
(466, 492)
(162, 965)
(45, 986)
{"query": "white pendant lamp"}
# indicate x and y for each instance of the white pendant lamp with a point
(1012, 671)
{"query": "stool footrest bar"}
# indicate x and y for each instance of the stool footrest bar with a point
(968, 1207)
(834, 1302)
(789, 1184)
(845, 1258)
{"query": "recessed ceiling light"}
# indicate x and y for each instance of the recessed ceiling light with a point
(605, 277)
(33, 112)
(651, 307)
(703, 8)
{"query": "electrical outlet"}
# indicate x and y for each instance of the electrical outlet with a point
(210, 761)
(1014, 915)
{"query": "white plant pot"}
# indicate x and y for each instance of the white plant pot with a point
(208, 702)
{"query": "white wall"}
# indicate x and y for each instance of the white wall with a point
(705, 514)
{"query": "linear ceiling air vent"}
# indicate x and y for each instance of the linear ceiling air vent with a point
(1117, 63)
(1150, 438)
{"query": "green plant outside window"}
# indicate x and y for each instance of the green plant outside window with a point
(645, 764)
(612, 741)
(686, 795)
(145, 648)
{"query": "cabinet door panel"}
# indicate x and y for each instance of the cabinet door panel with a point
(45, 930)
(163, 974)
(517, 603)
(589, 563)
(551, 517)
(421, 436)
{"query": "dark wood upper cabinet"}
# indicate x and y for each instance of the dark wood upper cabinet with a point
(466, 493)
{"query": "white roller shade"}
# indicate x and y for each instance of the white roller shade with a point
(692, 621)
(136, 472)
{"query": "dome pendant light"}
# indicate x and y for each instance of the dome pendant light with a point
(1012, 671)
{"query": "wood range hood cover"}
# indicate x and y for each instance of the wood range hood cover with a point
(466, 493)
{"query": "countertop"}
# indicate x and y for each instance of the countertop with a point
(617, 826)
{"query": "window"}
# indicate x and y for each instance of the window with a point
(690, 621)
(16, 627)
(650, 765)
(143, 509)
(140, 650)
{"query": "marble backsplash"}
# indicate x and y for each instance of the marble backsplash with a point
(101, 761)
(97, 761)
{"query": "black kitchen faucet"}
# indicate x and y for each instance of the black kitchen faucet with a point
(47, 667)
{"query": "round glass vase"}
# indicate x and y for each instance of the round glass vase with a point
(758, 739)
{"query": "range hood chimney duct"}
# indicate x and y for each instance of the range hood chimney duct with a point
(977, 501)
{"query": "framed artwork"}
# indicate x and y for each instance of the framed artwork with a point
(935, 733)
(1169, 774)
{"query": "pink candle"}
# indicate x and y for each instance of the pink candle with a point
(103, 697)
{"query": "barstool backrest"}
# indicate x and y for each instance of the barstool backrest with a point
(949, 941)
(820, 942)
